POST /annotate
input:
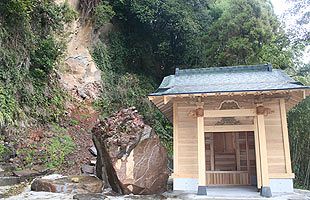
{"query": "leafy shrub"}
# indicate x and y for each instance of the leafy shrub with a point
(44, 56)
(103, 14)
(28, 54)
(3, 151)
(8, 107)
(298, 127)
(57, 150)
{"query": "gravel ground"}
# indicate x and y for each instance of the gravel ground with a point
(31, 195)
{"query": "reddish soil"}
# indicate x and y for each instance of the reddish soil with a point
(81, 120)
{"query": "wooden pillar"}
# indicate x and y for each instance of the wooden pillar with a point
(265, 190)
(175, 140)
(257, 155)
(286, 143)
(201, 153)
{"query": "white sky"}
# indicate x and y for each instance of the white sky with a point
(280, 6)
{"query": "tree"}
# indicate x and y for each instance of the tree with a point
(247, 32)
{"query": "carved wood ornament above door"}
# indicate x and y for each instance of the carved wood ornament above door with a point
(228, 105)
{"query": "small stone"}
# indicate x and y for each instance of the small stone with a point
(75, 179)
(87, 169)
(93, 150)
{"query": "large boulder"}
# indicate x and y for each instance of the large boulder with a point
(71, 184)
(130, 154)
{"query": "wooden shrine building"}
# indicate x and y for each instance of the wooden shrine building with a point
(229, 126)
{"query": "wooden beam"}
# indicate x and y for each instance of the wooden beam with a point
(263, 150)
(167, 99)
(201, 151)
(184, 175)
(175, 139)
(230, 113)
(286, 143)
(304, 94)
(257, 155)
(283, 175)
(228, 128)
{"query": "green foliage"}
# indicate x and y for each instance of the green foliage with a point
(28, 54)
(298, 127)
(44, 57)
(57, 150)
(7, 107)
(3, 151)
(74, 122)
(247, 32)
(52, 152)
(103, 14)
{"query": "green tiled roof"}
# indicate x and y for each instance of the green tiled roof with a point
(226, 79)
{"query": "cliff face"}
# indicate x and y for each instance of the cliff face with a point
(78, 72)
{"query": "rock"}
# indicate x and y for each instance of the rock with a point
(93, 150)
(71, 184)
(30, 173)
(79, 73)
(144, 171)
(90, 196)
(9, 180)
(93, 162)
(87, 169)
(26, 173)
(135, 152)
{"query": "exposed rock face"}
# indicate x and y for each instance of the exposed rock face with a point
(79, 73)
(71, 184)
(135, 152)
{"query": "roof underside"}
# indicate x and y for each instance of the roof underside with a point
(226, 79)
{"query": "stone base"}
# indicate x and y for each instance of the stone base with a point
(265, 192)
(284, 185)
(202, 190)
(185, 184)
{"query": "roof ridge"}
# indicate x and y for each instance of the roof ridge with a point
(240, 68)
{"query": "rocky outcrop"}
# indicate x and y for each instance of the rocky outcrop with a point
(132, 150)
(71, 184)
(78, 72)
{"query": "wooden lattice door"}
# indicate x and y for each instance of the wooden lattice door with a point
(230, 158)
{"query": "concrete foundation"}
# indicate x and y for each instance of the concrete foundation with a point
(265, 192)
(202, 190)
(186, 184)
(281, 185)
